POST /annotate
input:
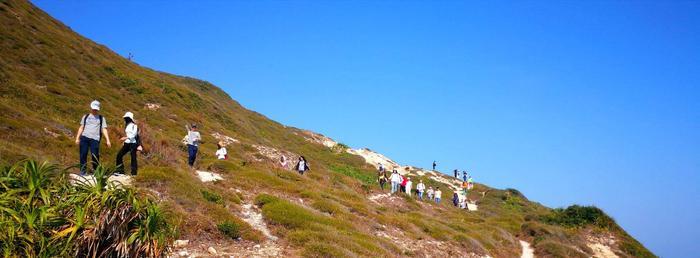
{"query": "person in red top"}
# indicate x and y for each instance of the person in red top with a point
(404, 180)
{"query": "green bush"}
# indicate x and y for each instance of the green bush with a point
(263, 199)
(212, 197)
(229, 229)
(579, 216)
(43, 215)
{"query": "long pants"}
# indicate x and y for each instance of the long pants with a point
(301, 172)
(92, 145)
(381, 184)
(192, 151)
(395, 186)
(128, 147)
(420, 195)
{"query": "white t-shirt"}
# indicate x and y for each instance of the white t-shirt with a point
(420, 187)
(131, 131)
(438, 194)
(221, 153)
(302, 165)
(409, 184)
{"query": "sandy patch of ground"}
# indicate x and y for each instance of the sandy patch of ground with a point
(375, 159)
(206, 176)
(225, 139)
(90, 179)
(601, 246)
(319, 139)
(528, 252)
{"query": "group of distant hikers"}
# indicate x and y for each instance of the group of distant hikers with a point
(93, 127)
(403, 184)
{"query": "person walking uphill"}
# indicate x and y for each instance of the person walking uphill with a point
(420, 188)
(381, 177)
(409, 184)
(131, 144)
(395, 181)
(92, 127)
(302, 165)
(438, 195)
(193, 138)
(434, 165)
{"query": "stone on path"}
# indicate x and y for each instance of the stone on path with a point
(208, 176)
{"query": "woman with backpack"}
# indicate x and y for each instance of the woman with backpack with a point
(302, 165)
(131, 144)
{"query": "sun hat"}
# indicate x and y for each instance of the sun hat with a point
(129, 115)
(95, 105)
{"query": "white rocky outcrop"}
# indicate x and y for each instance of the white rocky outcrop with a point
(206, 176)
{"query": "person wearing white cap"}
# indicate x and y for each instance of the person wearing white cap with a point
(92, 127)
(193, 138)
(130, 144)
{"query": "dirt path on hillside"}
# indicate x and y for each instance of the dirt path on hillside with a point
(528, 252)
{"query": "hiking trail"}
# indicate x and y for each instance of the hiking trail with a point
(528, 252)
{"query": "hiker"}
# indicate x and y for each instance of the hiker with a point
(464, 175)
(193, 138)
(409, 184)
(283, 162)
(455, 199)
(420, 188)
(431, 193)
(434, 165)
(131, 144)
(382, 177)
(438, 195)
(404, 180)
(395, 181)
(470, 182)
(456, 173)
(221, 152)
(92, 127)
(302, 165)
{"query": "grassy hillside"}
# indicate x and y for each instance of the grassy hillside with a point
(49, 74)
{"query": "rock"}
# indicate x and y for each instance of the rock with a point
(49, 132)
(183, 253)
(181, 243)
(208, 176)
(211, 250)
(256, 246)
(152, 106)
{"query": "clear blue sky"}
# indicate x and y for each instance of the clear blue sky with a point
(586, 102)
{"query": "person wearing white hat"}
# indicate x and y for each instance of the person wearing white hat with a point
(130, 144)
(92, 127)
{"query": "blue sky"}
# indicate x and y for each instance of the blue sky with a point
(586, 102)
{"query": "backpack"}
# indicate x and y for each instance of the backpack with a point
(101, 121)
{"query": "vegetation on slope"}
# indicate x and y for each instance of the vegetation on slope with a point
(43, 215)
(49, 74)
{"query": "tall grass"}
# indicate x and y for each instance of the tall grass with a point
(43, 215)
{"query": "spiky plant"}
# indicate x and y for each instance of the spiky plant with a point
(44, 215)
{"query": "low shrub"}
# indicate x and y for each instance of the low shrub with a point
(212, 197)
(229, 229)
(579, 216)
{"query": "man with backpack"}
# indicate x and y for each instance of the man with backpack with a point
(92, 127)
(193, 138)
(434, 165)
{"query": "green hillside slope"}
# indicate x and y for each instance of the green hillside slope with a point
(49, 74)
